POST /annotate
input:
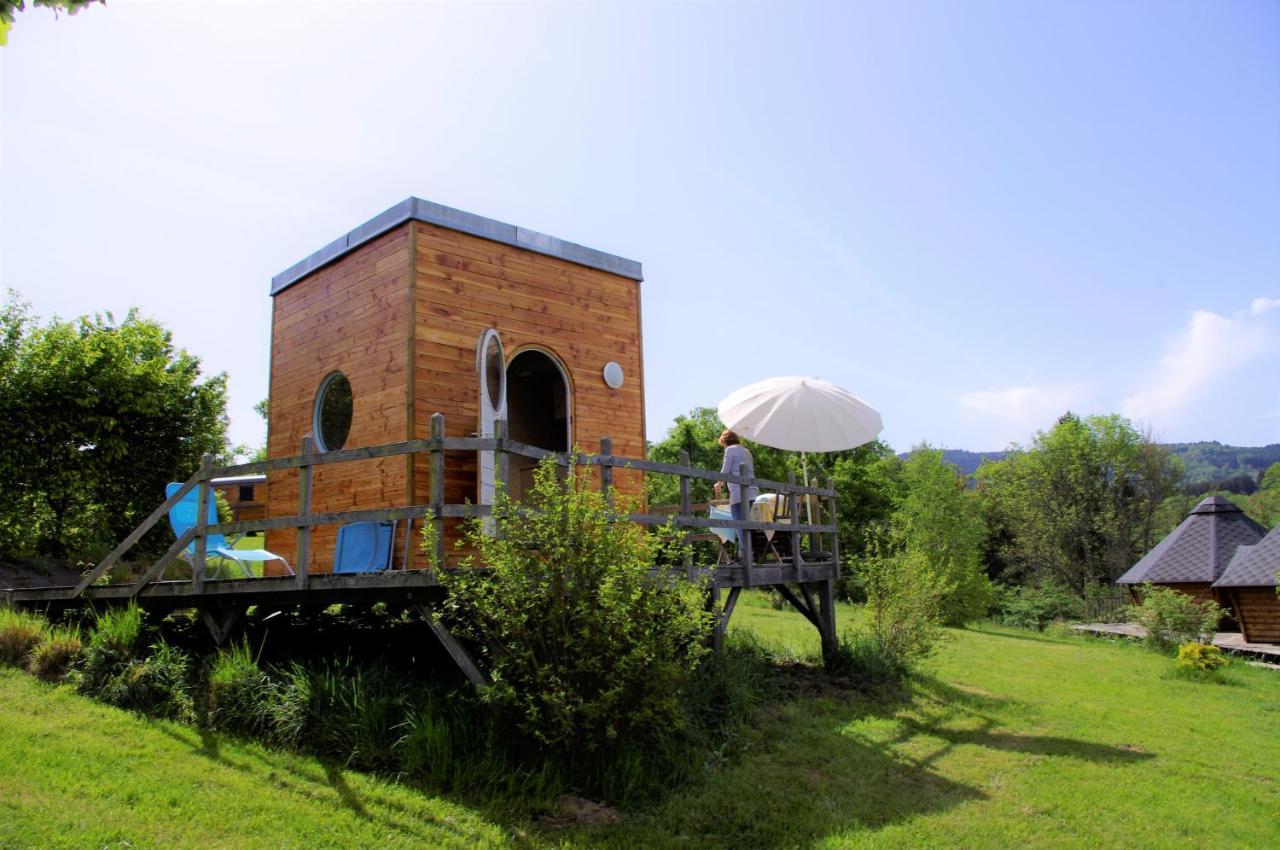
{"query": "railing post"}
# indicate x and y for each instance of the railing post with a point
(744, 488)
(606, 471)
(815, 539)
(303, 553)
(686, 511)
(437, 491)
(793, 508)
(834, 520)
(501, 460)
(203, 494)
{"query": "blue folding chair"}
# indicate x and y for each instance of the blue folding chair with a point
(182, 516)
(364, 547)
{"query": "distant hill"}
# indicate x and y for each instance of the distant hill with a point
(1202, 462)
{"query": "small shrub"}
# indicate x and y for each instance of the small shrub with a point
(113, 645)
(158, 685)
(904, 598)
(862, 658)
(20, 634)
(1172, 618)
(238, 695)
(1200, 658)
(586, 650)
(1036, 606)
(53, 659)
(289, 707)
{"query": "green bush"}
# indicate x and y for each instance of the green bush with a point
(1036, 606)
(54, 657)
(587, 652)
(355, 714)
(1172, 618)
(20, 634)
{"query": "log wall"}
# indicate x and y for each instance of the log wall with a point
(1258, 610)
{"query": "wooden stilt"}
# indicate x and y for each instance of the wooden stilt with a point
(221, 622)
(456, 651)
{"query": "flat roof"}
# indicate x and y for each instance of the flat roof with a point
(416, 209)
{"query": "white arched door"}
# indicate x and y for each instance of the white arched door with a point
(491, 371)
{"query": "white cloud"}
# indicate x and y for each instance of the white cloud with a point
(1262, 305)
(1012, 414)
(1211, 348)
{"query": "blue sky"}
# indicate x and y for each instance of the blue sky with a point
(975, 216)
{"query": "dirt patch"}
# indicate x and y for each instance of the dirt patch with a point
(574, 811)
(806, 680)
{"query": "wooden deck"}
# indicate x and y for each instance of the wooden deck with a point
(1232, 642)
(805, 577)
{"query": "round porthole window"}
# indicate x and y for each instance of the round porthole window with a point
(332, 420)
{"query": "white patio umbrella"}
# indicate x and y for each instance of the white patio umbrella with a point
(802, 415)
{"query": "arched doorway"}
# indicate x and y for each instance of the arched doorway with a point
(537, 411)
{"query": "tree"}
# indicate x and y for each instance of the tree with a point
(938, 522)
(9, 8)
(96, 416)
(1081, 504)
(1264, 505)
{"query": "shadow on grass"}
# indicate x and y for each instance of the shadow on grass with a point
(1010, 633)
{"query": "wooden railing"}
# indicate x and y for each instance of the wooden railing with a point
(436, 510)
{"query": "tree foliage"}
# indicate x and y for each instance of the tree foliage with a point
(9, 8)
(1079, 505)
(938, 524)
(96, 416)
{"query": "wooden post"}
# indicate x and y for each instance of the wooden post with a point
(606, 470)
(830, 641)
(793, 507)
(834, 520)
(685, 512)
(303, 553)
(815, 539)
(437, 491)
(203, 494)
(744, 487)
(501, 460)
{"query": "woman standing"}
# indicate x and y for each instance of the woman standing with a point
(737, 462)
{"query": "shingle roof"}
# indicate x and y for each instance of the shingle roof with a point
(1254, 566)
(1199, 549)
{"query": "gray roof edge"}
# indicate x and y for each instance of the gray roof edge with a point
(416, 209)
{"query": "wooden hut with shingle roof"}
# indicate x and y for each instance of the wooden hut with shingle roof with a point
(1249, 585)
(1196, 553)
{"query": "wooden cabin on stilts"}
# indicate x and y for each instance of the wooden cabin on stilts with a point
(418, 363)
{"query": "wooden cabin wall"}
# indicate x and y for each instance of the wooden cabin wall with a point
(255, 508)
(351, 316)
(465, 284)
(1258, 610)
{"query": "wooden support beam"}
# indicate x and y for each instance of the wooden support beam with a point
(302, 554)
(722, 618)
(744, 537)
(205, 493)
(793, 508)
(809, 615)
(136, 535)
(456, 651)
(170, 555)
(221, 622)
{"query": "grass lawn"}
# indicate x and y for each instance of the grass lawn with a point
(1013, 739)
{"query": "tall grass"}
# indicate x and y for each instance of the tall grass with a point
(20, 633)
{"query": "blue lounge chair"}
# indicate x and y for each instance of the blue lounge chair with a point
(183, 515)
(363, 547)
